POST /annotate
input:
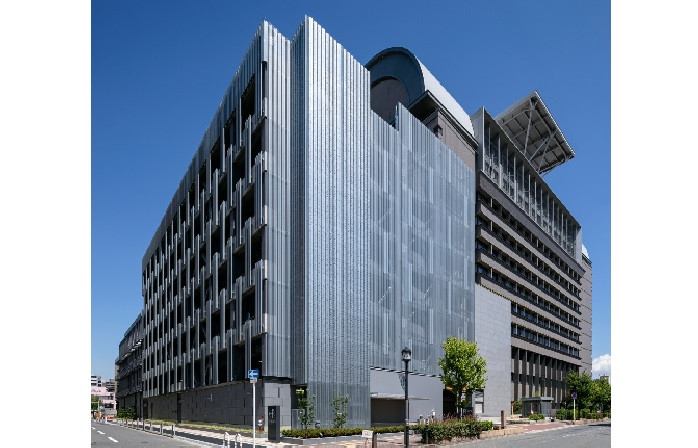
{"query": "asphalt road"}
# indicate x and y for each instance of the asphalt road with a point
(597, 435)
(114, 436)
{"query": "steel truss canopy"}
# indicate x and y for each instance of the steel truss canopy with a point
(529, 124)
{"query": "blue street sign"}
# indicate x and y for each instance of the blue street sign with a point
(253, 373)
(574, 395)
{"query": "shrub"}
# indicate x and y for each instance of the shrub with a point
(486, 425)
(536, 417)
(561, 414)
(129, 413)
(447, 430)
(336, 432)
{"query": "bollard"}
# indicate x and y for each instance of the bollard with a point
(173, 431)
(227, 439)
(374, 440)
(238, 444)
(160, 428)
(503, 421)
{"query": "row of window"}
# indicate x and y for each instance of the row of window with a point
(521, 271)
(526, 294)
(525, 253)
(541, 321)
(537, 380)
(543, 341)
(521, 229)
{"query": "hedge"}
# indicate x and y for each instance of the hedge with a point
(336, 432)
(536, 417)
(439, 432)
(129, 413)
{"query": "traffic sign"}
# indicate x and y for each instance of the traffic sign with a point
(574, 395)
(253, 373)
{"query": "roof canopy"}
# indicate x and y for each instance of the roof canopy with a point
(532, 128)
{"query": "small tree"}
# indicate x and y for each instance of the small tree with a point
(339, 404)
(463, 368)
(581, 384)
(306, 406)
(601, 394)
(96, 403)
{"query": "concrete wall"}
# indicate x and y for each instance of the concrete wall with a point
(585, 318)
(229, 403)
(492, 334)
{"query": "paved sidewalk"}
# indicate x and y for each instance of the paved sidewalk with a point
(214, 438)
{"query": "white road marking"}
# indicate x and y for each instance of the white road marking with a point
(113, 440)
(100, 432)
(94, 427)
(535, 431)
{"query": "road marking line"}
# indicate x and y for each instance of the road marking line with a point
(113, 440)
(94, 427)
(100, 432)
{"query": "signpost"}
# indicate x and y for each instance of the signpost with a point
(273, 425)
(574, 405)
(253, 374)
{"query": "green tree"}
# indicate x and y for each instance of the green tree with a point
(581, 384)
(339, 404)
(516, 407)
(601, 395)
(463, 368)
(96, 403)
(306, 406)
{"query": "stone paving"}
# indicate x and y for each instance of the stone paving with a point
(383, 442)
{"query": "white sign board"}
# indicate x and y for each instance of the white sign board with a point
(367, 434)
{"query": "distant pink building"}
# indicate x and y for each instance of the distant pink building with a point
(108, 401)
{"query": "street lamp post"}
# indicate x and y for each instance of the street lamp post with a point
(406, 357)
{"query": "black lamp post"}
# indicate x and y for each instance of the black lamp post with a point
(406, 357)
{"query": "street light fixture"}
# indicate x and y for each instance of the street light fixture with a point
(406, 357)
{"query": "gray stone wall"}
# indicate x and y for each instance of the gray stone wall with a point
(229, 403)
(492, 334)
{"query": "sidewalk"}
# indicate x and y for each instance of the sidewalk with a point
(215, 438)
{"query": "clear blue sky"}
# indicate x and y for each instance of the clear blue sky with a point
(159, 70)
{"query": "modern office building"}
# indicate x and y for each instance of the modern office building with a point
(326, 221)
(129, 368)
(529, 247)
